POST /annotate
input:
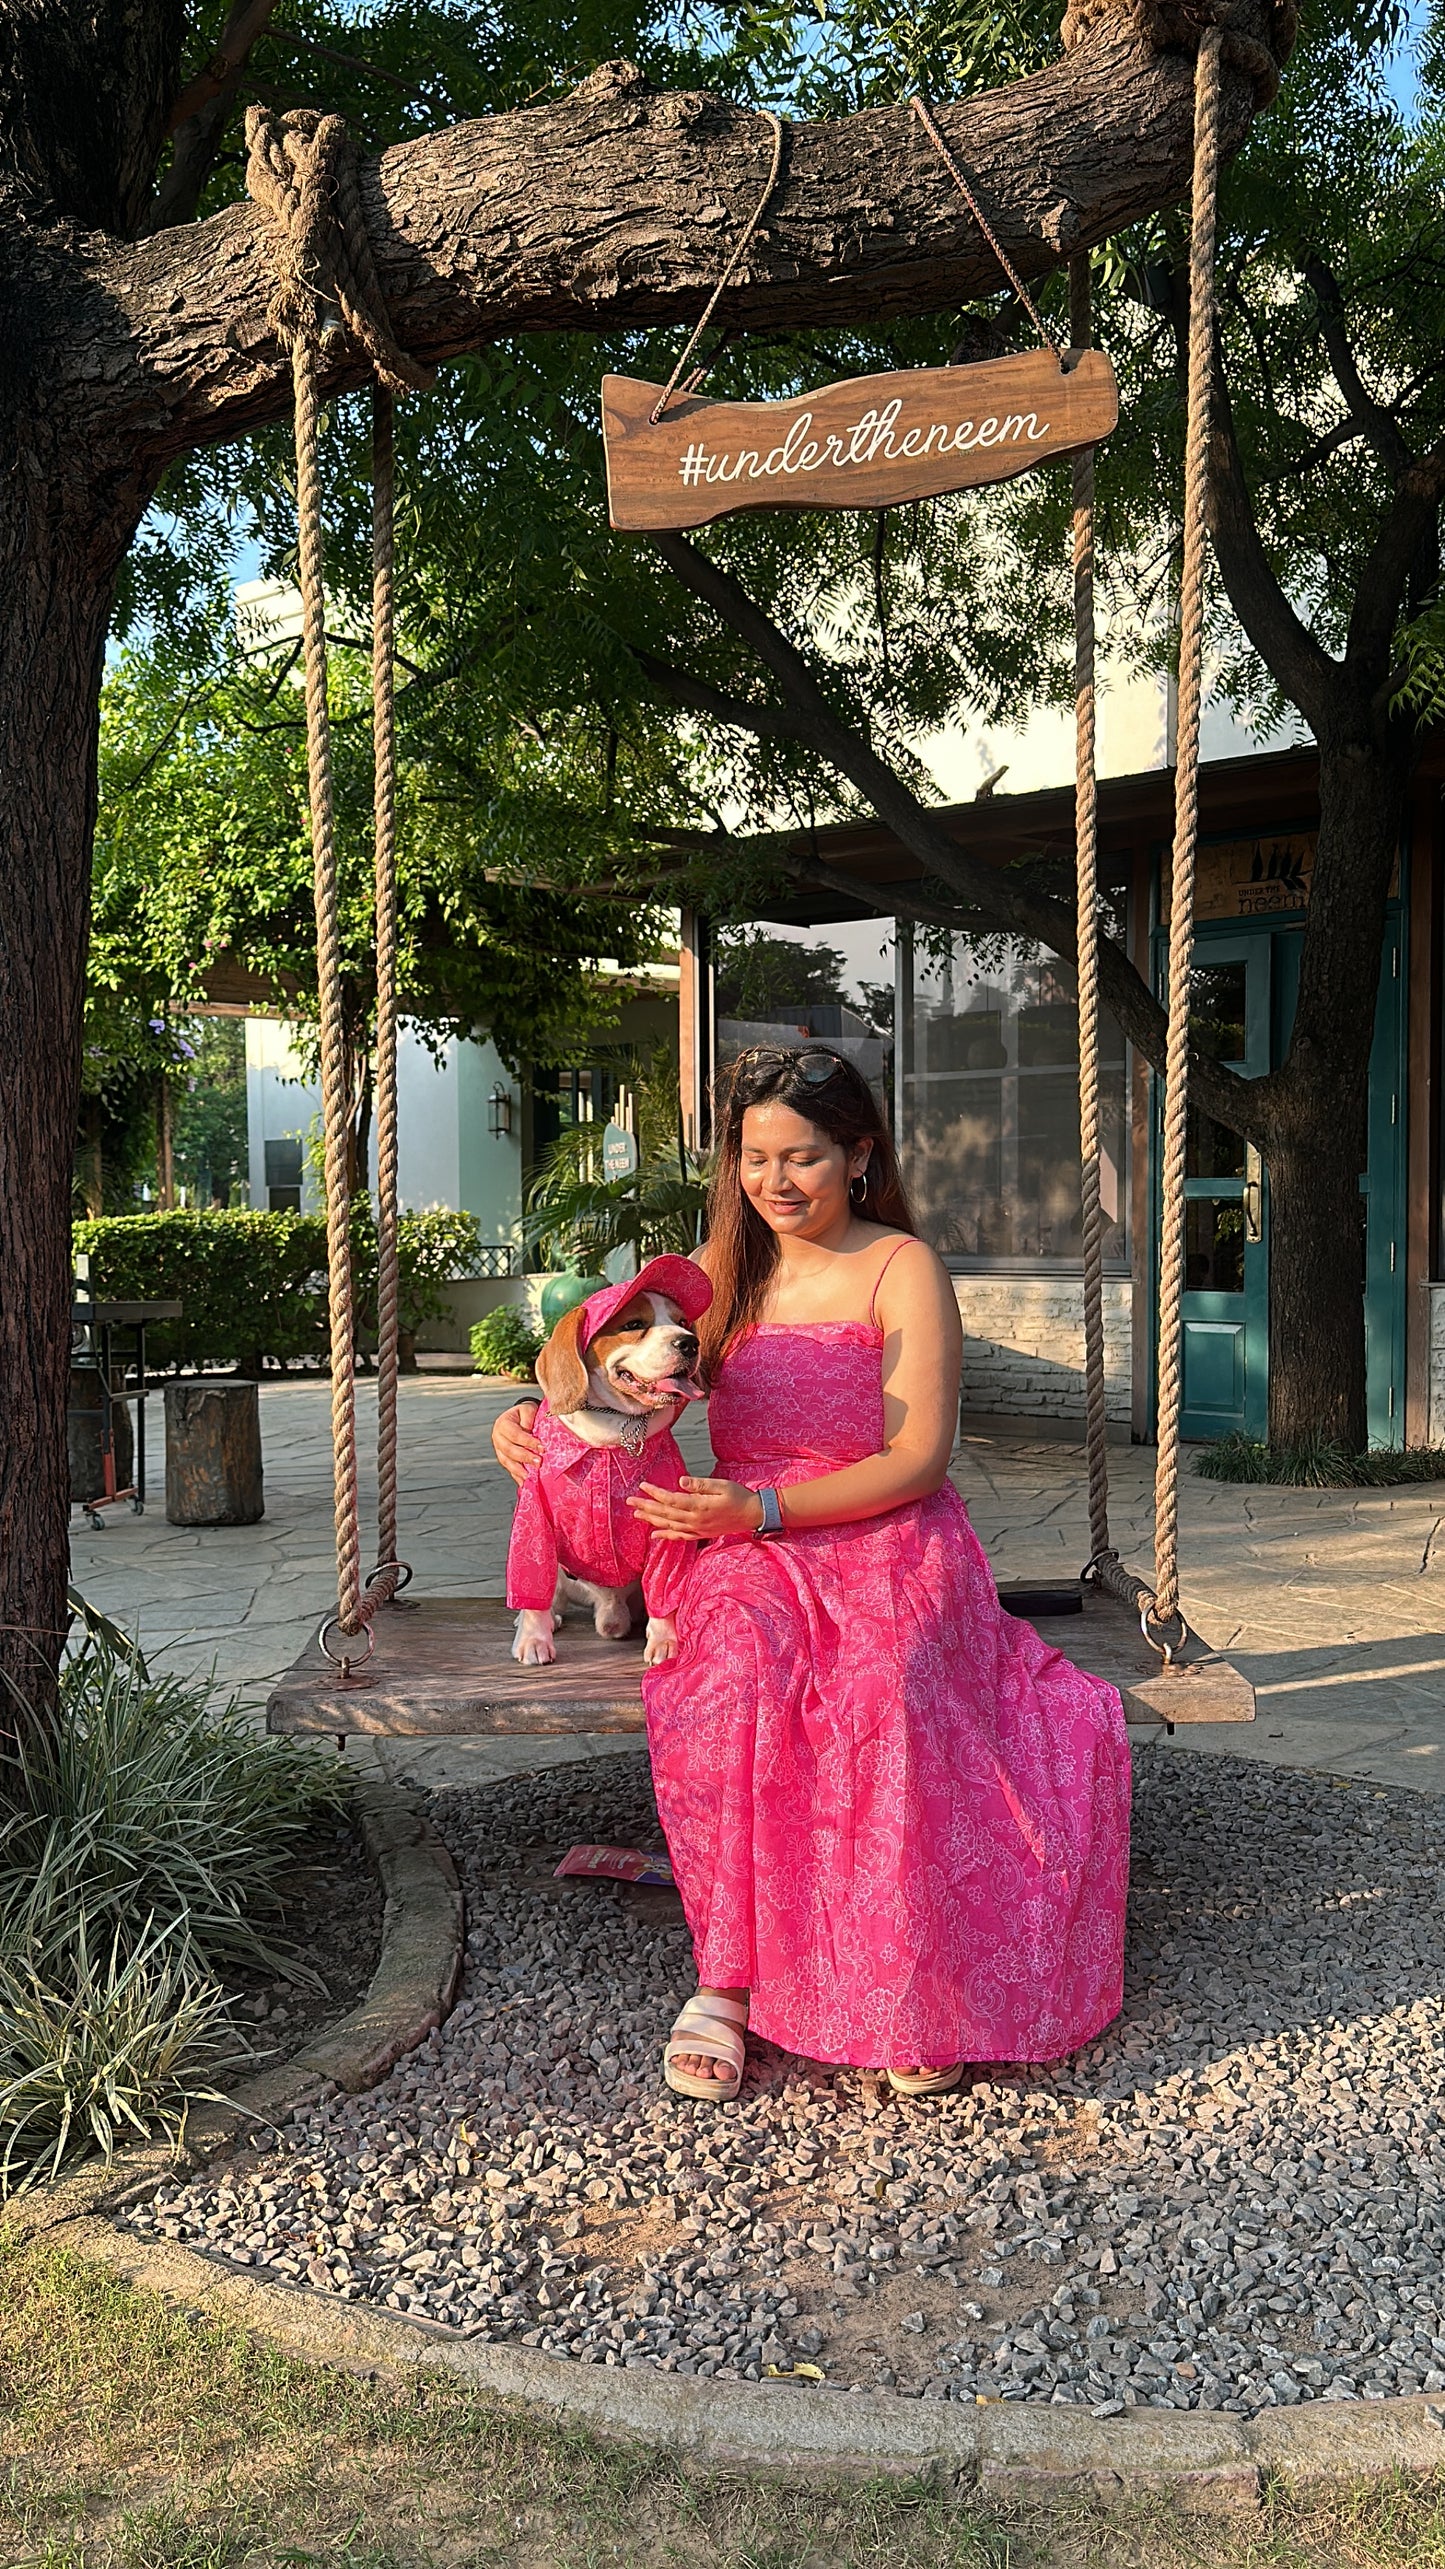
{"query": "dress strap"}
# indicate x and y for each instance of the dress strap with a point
(878, 1279)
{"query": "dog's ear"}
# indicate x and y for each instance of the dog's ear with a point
(560, 1369)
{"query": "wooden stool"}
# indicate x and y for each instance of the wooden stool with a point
(213, 1454)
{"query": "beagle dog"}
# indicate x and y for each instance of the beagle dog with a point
(616, 1371)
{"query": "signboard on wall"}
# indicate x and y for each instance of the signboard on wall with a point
(1249, 878)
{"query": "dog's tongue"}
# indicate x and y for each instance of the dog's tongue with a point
(682, 1387)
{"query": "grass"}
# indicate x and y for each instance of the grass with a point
(135, 2436)
(1318, 1465)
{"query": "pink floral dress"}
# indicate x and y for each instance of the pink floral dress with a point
(895, 1814)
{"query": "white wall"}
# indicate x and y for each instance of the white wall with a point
(1023, 1346)
(1136, 734)
(448, 1156)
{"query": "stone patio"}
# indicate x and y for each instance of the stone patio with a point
(1333, 1601)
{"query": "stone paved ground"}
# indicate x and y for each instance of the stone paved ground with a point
(1332, 1600)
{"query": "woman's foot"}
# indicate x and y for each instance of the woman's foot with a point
(705, 2050)
(924, 2082)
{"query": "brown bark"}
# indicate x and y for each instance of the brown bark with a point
(608, 210)
(51, 642)
(1316, 1105)
(213, 1454)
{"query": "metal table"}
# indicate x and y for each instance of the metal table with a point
(94, 1327)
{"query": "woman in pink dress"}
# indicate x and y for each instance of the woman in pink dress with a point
(898, 1819)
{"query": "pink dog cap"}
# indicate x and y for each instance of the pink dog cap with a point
(680, 1279)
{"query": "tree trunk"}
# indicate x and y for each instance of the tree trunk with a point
(51, 642)
(1319, 1104)
(1316, 1301)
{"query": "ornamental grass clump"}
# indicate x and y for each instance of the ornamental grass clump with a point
(1321, 1464)
(149, 1842)
(96, 2049)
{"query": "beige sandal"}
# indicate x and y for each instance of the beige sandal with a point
(924, 2082)
(713, 2025)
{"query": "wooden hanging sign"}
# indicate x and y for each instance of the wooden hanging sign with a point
(873, 442)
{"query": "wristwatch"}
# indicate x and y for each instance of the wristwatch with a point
(772, 1515)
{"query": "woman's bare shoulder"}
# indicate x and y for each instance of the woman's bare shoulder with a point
(705, 1257)
(908, 1268)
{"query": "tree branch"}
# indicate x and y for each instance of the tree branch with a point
(1409, 523)
(1372, 418)
(601, 212)
(1305, 671)
(994, 896)
(198, 118)
(242, 27)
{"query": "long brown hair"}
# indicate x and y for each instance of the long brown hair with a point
(827, 1090)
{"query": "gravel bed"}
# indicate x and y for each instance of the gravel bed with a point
(1233, 2200)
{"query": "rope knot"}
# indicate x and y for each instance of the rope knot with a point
(301, 171)
(1178, 26)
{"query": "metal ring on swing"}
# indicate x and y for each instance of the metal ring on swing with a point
(1157, 1640)
(380, 1572)
(342, 1658)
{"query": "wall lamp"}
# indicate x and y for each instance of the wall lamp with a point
(499, 1112)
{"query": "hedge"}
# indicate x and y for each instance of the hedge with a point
(253, 1285)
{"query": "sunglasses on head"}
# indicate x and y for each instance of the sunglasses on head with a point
(812, 1063)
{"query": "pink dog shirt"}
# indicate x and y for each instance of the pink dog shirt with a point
(572, 1513)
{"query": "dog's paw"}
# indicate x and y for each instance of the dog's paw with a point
(534, 1646)
(661, 1641)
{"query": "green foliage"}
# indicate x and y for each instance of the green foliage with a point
(253, 1285)
(208, 1111)
(1321, 1464)
(98, 2049)
(759, 973)
(578, 1218)
(506, 1343)
(151, 1802)
(149, 1841)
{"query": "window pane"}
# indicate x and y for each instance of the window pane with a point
(1217, 1025)
(1214, 1246)
(989, 1105)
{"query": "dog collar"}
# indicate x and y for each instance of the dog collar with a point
(632, 1432)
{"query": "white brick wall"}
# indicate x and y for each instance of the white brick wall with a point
(1023, 1346)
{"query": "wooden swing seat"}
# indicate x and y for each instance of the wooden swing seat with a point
(442, 1669)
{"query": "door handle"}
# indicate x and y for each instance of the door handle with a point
(1253, 1196)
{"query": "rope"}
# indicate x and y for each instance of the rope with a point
(383, 705)
(740, 247)
(924, 114)
(301, 172)
(1086, 858)
(1186, 820)
(1178, 25)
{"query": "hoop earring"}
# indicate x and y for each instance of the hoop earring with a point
(860, 1180)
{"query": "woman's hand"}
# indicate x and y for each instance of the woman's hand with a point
(514, 1445)
(699, 1509)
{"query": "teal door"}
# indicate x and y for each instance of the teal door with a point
(1244, 984)
(1226, 1314)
